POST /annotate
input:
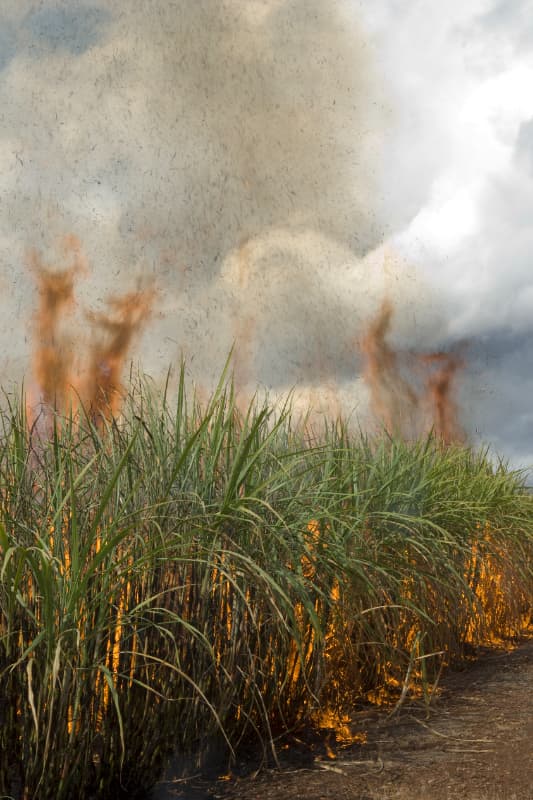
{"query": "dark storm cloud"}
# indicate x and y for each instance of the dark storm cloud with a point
(497, 390)
(498, 347)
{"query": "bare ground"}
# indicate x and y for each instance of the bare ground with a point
(475, 744)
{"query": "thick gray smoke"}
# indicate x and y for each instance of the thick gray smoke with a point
(227, 148)
(251, 121)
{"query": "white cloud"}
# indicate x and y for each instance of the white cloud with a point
(459, 110)
(458, 190)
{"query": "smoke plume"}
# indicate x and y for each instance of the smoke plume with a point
(170, 134)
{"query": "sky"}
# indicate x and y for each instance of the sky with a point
(277, 168)
(461, 194)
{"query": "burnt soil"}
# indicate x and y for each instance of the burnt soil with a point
(474, 743)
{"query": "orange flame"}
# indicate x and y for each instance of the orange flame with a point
(394, 401)
(439, 391)
(103, 387)
(53, 357)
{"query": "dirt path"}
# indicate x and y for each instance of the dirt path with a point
(477, 744)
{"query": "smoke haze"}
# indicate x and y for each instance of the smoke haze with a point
(170, 136)
(251, 158)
